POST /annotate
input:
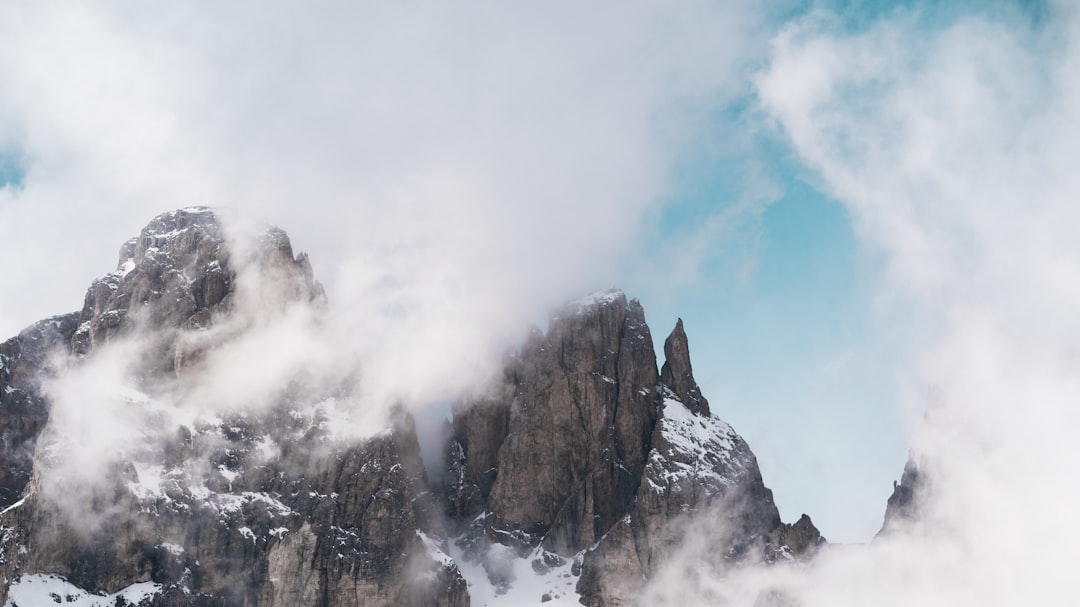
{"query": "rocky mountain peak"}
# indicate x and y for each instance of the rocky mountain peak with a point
(244, 507)
(183, 269)
(903, 506)
(583, 466)
(678, 374)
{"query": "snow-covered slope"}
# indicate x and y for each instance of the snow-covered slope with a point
(37, 590)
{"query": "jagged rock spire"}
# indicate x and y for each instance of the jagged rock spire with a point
(678, 375)
(903, 505)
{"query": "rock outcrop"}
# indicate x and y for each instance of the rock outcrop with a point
(584, 451)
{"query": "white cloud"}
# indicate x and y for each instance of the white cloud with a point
(453, 171)
(949, 143)
(466, 160)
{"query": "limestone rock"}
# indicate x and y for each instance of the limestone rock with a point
(677, 373)
(578, 409)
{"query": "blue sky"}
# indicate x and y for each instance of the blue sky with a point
(786, 338)
(791, 336)
(11, 171)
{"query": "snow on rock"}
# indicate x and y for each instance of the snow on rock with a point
(13, 506)
(39, 590)
(693, 447)
(174, 549)
(593, 300)
(435, 549)
(226, 503)
(500, 578)
(149, 483)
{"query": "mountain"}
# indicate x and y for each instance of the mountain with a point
(575, 477)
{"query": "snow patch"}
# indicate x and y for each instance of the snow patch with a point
(125, 268)
(171, 548)
(525, 584)
(231, 503)
(13, 506)
(593, 300)
(435, 550)
(696, 446)
(149, 483)
(42, 589)
(228, 474)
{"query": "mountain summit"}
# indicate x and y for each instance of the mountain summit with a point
(573, 479)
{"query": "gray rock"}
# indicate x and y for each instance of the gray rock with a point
(582, 449)
(579, 407)
(677, 373)
(24, 363)
(585, 450)
(902, 509)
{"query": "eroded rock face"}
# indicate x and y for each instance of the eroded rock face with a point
(260, 507)
(586, 451)
(562, 442)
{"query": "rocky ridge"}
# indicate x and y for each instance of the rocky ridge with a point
(584, 459)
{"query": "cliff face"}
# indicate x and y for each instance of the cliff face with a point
(584, 466)
(584, 451)
(24, 363)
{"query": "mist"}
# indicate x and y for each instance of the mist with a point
(949, 143)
